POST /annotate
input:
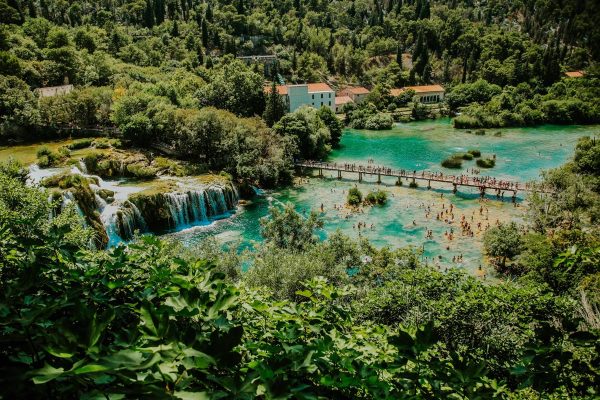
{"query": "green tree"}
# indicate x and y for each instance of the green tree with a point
(309, 131)
(287, 229)
(334, 125)
(274, 108)
(502, 242)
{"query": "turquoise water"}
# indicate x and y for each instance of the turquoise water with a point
(520, 153)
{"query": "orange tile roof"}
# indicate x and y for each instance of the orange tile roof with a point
(312, 87)
(574, 74)
(319, 87)
(343, 100)
(281, 89)
(426, 88)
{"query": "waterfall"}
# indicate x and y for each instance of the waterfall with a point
(67, 199)
(197, 207)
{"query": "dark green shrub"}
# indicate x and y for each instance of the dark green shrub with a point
(467, 156)
(475, 153)
(480, 132)
(452, 162)
(413, 185)
(64, 152)
(102, 143)
(141, 171)
(486, 163)
(46, 157)
(378, 197)
(80, 144)
(354, 197)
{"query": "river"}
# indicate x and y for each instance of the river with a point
(521, 154)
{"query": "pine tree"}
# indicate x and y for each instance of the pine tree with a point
(425, 10)
(159, 11)
(175, 29)
(44, 9)
(399, 55)
(274, 108)
(32, 9)
(200, 53)
(149, 15)
(209, 13)
(204, 34)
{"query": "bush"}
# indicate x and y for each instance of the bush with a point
(452, 162)
(475, 153)
(354, 197)
(102, 143)
(378, 197)
(141, 171)
(80, 144)
(379, 121)
(64, 152)
(480, 132)
(47, 158)
(486, 163)
(43, 151)
(413, 185)
(467, 156)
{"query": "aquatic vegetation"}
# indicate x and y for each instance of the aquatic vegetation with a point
(378, 197)
(452, 162)
(475, 152)
(354, 197)
(480, 132)
(467, 156)
(486, 163)
(80, 144)
(48, 158)
(413, 184)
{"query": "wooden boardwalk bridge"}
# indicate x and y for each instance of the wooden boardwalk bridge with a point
(481, 183)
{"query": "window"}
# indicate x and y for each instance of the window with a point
(330, 103)
(329, 95)
(321, 95)
(313, 96)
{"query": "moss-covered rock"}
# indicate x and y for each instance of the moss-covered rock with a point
(154, 209)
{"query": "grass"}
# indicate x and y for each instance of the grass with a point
(27, 153)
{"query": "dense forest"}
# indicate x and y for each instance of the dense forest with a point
(297, 317)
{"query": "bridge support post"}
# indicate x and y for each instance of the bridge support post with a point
(514, 197)
(399, 181)
(379, 178)
(339, 174)
(360, 176)
(454, 188)
(482, 191)
(429, 184)
(321, 172)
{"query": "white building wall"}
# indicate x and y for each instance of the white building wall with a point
(299, 96)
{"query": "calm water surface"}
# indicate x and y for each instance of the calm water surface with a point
(521, 154)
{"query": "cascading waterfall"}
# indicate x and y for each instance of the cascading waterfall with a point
(196, 207)
(122, 218)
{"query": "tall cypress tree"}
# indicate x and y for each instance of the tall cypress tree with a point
(204, 34)
(159, 11)
(274, 107)
(425, 10)
(149, 15)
